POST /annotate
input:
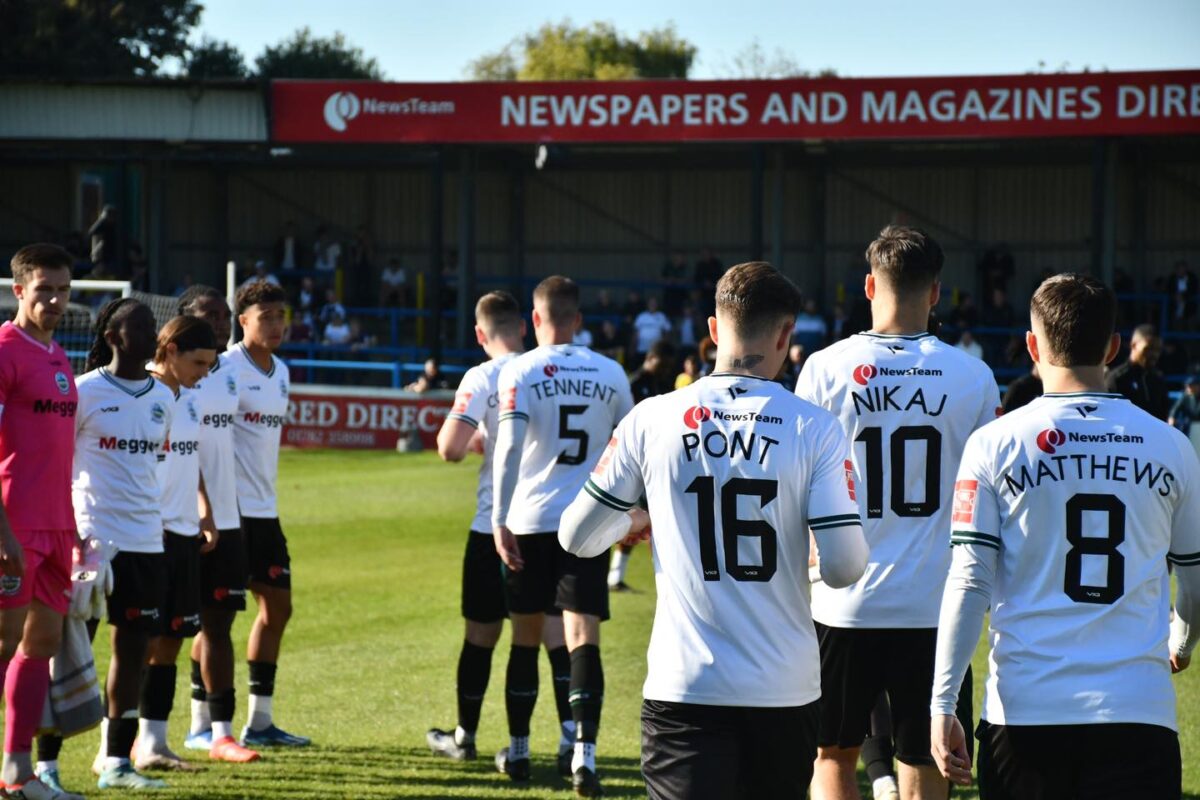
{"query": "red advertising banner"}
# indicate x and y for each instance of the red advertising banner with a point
(1089, 104)
(345, 417)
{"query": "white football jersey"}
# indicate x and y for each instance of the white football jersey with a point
(1087, 498)
(572, 398)
(179, 472)
(476, 402)
(217, 401)
(736, 470)
(907, 404)
(120, 429)
(262, 411)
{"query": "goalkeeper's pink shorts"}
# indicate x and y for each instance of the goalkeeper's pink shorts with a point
(47, 577)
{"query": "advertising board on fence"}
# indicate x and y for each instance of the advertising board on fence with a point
(997, 106)
(362, 418)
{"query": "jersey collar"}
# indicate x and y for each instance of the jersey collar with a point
(1110, 395)
(49, 348)
(909, 336)
(270, 373)
(133, 392)
(738, 375)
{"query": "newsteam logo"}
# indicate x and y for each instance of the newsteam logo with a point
(863, 374)
(1049, 440)
(695, 416)
(340, 108)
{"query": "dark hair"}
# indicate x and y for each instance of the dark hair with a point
(756, 297)
(498, 311)
(186, 306)
(186, 333)
(1078, 314)
(561, 296)
(907, 259)
(32, 256)
(253, 294)
(111, 315)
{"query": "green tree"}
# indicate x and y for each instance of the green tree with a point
(752, 61)
(304, 55)
(215, 59)
(561, 51)
(93, 38)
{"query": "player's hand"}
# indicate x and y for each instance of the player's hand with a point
(92, 578)
(948, 743)
(210, 534)
(12, 557)
(475, 445)
(507, 548)
(1179, 663)
(639, 531)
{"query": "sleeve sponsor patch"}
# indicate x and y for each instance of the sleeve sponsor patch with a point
(606, 458)
(850, 478)
(508, 399)
(461, 401)
(965, 493)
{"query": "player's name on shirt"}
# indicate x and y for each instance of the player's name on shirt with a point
(1054, 467)
(736, 444)
(577, 381)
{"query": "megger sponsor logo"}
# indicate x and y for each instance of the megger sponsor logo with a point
(135, 446)
(185, 447)
(218, 420)
(266, 420)
(64, 408)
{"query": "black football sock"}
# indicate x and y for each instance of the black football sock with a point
(222, 704)
(877, 750)
(121, 733)
(474, 669)
(49, 746)
(158, 692)
(262, 678)
(521, 688)
(560, 670)
(198, 690)
(587, 692)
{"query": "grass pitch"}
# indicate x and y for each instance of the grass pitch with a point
(369, 658)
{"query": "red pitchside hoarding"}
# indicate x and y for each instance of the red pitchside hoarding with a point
(994, 106)
(344, 417)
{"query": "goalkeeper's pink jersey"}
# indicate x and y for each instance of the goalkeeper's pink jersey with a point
(37, 432)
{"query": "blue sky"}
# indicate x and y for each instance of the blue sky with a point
(434, 41)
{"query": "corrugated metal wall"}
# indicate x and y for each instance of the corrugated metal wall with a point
(621, 223)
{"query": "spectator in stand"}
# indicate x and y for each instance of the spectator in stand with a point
(393, 285)
(1138, 379)
(301, 331)
(362, 264)
(1022, 391)
(691, 371)
(331, 308)
(104, 234)
(633, 306)
(359, 338)
(688, 325)
(810, 328)
(327, 251)
(306, 300)
(1183, 296)
(260, 274)
(996, 268)
(1187, 408)
(604, 307)
(792, 366)
(650, 327)
(431, 378)
(675, 293)
(839, 324)
(964, 315)
(708, 272)
(583, 337)
(607, 341)
(967, 343)
(708, 355)
(287, 248)
(337, 331)
(184, 284)
(656, 374)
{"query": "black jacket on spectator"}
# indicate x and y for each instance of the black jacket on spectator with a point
(1021, 391)
(1145, 389)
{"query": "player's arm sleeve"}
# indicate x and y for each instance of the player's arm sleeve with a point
(470, 405)
(598, 516)
(975, 539)
(991, 401)
(1184, 554)
(833, 514)
(808, 383)
(510, 439)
